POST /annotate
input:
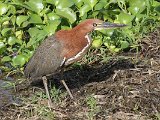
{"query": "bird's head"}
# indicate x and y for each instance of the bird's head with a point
(96, 24)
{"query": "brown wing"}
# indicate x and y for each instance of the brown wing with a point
(46, 59)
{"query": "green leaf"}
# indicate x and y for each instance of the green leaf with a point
(100, 6)
(36, 36)
(19, 34)
(12, 10)
(34, 18)
(78, 3)
(33, 31)
(5, 18)
(6, 23)
(19, 60)
(67, 13)
(112, 48)
(139, 17)
(20, 3)
(64, 4)
(52, 16)
(157, 8)
(84, 9)
(35, 5)
(124, 44)
(155, 3)
(92, 3)
(20, 19)
(13, 19)
(25, 24)
(125, 18)
(3, 8)
(13, 40)
(141, 5)
(133, 9)
(54, 2)
(30, 54)
(52, 26)
(65, 28)
(97, 43)
(108, 32)
(6, 59)
(138, 3)
(2, 45)
(6, 31)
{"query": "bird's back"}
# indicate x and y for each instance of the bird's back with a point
(46, 59)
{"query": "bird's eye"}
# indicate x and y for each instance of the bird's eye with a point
(94, 24)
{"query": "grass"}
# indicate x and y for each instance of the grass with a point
(157, 116)
(92, 106)
(36, 106)
(40, 112)
(56, 94)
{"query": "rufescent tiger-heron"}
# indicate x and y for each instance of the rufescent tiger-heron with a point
(62, 49)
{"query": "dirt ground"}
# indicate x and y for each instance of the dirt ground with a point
(124, 89)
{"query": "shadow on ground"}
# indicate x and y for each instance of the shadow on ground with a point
(77, 77)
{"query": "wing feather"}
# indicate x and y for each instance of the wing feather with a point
(46, 59)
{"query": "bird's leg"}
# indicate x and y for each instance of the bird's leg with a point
(65, 85)
(68, 90)
(47, 92)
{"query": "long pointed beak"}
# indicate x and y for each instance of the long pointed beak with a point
(108, 25)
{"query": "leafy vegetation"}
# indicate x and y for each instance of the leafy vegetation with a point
(25, 23)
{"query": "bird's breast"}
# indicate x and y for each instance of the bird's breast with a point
(78, 50)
